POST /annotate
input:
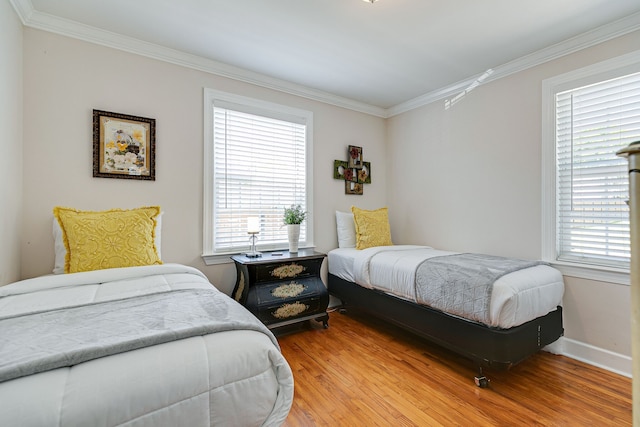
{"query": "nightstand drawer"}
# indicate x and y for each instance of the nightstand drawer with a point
(277, 293)
(288, 270)
(290, 310)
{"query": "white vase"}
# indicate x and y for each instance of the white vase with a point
(293, 231)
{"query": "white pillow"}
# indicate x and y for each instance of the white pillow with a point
(61, 251)
(346, 230)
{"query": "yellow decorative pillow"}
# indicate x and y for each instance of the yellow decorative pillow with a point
(372, 228)
(108, 239)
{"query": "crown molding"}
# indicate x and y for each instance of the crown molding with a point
(591, 38)
(42, 21)
(23, 8)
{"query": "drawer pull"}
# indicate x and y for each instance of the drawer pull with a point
(288, 290)
(290, 310)
(291, 270)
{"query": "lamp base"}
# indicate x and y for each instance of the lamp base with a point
(253, 253)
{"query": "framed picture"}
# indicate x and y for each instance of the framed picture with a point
(364, 174)
(123, 146)
(339, 166)
(355, 157)
(353, 188)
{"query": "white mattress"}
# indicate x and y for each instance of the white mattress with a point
(516, 297)
(237, 378)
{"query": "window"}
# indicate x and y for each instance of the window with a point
(592, 113)
(257, 162)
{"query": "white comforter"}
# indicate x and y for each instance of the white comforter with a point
(235, 378)
(516, 297)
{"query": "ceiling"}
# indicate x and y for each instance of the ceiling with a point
(378, 56)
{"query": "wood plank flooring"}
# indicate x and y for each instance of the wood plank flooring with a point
(363, 372)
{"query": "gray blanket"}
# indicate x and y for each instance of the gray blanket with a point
(41, 341)
(462, 284)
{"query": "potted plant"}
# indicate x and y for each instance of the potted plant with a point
(293, 217)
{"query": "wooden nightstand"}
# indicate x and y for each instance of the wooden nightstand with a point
(282, 289)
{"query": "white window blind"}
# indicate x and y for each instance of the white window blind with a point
(592, 123)
(258, 165)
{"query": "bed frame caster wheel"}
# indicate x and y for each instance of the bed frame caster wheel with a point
(481, 380)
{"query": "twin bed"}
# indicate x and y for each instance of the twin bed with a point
(495, 311)
(122, 339)
(144, 346)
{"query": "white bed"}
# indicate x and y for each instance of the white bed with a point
(231, 378)
(516, 298)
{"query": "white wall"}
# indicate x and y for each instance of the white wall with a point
(10, 143)
(468, 178)
(65, 79)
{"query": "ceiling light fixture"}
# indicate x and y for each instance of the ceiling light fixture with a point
(370, 1)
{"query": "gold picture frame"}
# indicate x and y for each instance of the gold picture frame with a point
(351, 187)
(364, 174)
(124, 146)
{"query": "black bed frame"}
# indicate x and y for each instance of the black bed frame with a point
(485, 346)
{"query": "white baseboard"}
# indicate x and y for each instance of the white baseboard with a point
(587, 353)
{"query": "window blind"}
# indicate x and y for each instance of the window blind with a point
(259, 169)
(592, 123)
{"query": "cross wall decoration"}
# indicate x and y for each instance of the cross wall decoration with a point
(355, 172)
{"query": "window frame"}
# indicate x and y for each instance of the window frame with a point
(258, 107)
(612, 68)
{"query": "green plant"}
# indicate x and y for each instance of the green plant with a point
(294, 215)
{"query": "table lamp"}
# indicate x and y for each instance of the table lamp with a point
(253, 228)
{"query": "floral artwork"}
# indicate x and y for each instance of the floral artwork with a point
(288, 290)
(364, 174)
(290, 270)
(290, 310)
(351, 174)
(353, 188)
(125, 149)
(355, 156)
(355, 172)
(123, 146)
(240, 291)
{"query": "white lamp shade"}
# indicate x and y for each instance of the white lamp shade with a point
(253, 224)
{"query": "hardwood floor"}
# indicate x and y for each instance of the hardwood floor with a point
(362, 372)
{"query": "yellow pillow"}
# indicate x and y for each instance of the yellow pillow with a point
(372, 228)
(108, 239)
